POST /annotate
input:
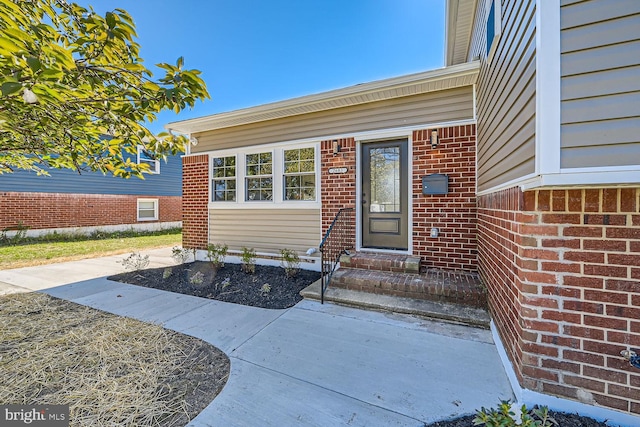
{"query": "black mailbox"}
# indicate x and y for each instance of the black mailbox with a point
(435, 184)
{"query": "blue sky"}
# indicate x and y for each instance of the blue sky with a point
(252, 52)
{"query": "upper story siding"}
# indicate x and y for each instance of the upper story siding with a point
(167, 183)
(506, 94)
(600, 81)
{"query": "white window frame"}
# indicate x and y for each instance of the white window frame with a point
(156, 209)
(497, 26)
(213, 179)
(154, 165)
(246, 177)
(284, 175)
(277, 201)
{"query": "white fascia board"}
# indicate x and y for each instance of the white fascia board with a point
(622, 176)
(547, 139)
(454, 76)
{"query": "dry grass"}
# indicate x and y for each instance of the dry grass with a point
(111, 370)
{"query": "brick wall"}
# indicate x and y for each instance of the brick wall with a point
(60, 210)
(195, 201)
(337, 191)
(563, 272)
(454, 214)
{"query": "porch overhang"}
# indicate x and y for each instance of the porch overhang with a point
(450, 77)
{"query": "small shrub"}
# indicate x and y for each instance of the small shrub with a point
(265, 289)
(248, 260)
(505, 417)
(197, 279)
(180, 255)
(166, 273)
(290, 262)
(216, 252)
(16, 239)
(135, 261)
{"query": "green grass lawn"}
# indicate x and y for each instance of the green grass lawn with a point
(51, 252)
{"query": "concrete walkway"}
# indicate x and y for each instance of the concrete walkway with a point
(313, 364)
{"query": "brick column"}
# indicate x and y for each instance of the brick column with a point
(563, 272)
(337, 190)
(454, 214)
(195, 201)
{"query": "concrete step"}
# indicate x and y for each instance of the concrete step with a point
(455, 313)
(434, 285)
(381, 262)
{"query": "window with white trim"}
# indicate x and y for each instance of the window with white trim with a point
(494, 27)
(259, 176)
(223, 185)
(266, 177)
(299, 174)
(146, 157)
(147, 209)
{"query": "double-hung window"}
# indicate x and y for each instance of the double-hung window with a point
(145, 157)
(259, 176)
(223, 184)
(299, 174)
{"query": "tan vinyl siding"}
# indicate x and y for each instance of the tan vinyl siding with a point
(434, 107)
(506, 99)
(266, 230)
(600, 98)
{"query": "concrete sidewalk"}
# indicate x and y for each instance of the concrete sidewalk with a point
(313, 364)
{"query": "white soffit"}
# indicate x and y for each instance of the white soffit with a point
(396, 87)
(460, 15)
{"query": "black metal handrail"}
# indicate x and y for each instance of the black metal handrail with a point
(338, 239)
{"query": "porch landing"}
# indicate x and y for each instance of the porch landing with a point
(397, 283)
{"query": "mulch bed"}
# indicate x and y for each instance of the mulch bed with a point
(268, 287)
(562, 419)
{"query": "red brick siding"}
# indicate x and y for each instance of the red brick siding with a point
(337, 191)
(60, 210)
(195, 201)
(565, 294)
(454, 214)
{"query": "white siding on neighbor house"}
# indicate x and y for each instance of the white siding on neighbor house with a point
(266, 230)
(600, 97)
(506, 94)
(433, 107)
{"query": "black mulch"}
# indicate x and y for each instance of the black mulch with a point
(268, 287)
(562, 419)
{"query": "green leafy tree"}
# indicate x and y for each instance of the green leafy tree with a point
(75, 93)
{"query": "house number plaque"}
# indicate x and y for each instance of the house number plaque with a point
(337, 170)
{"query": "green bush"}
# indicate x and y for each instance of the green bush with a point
(16, 239)
(180, 255)
(216, 252)
(290, 262)
(248, 258)
(505, 417)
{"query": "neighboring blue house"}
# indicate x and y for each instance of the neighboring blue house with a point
(68, 201)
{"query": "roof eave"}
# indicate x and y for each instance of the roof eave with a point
(412, 84)
(459, 18)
